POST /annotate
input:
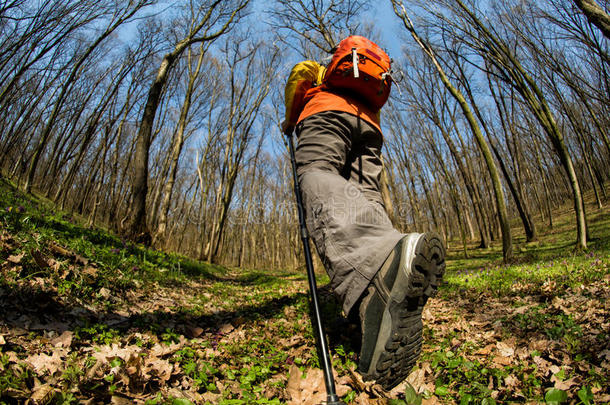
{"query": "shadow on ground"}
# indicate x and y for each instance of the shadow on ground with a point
(24, 310)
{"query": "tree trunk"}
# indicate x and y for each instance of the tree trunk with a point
(484, 227)
(385, 194)
(452, 191)
(465, 171)
(545, 185)
(137, 228)
(98, 187)
(595, 14)
(111, 215)
(524, 213)
(587, 163)
(245, 223)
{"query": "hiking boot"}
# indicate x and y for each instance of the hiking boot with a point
(390, 314)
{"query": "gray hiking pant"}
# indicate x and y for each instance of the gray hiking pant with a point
(339, 168)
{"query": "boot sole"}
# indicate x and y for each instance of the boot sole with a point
(398, 339)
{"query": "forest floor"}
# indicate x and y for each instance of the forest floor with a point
(88, 318)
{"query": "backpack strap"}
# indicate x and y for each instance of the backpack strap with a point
(355, 60)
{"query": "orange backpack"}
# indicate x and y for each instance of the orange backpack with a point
(361, 67)
(368, 78)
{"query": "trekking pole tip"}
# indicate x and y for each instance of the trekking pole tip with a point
(333, 400)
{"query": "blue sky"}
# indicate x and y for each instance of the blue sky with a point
(380, 14)
(390, 26)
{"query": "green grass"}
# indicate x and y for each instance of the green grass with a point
(36, 224)
(550, 260)
(233, 335)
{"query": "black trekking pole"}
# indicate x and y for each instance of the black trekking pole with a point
(316, 319)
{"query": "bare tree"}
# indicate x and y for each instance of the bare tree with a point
(31, 32)
(582, 67)
(251, 71)
(426, 98)
(317, 23)
(507, 248)
(500, 55)
(207, 21)
(194, 69)
(119, 17)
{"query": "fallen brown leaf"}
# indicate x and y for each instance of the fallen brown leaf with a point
(90, 271)
(305, 391)
(505, 349)
(294, 381)
(118, 400)
(12, 357)
(43, 362)
(226, 328)
(543, 365)
(55, 265)
(105, 354)
(363, 399)
(485, 351)
(42, 394)
(104, 293)
(541, 345)
(603, 399)
(430, 401)
(160, 367)
(159, 350)
(522, 310)
(501, 361)
(523, 353)
(564, 385)
(15, 394)
(357, 381)
(511, 382)
(292, 342)
(63, 340)
(59, 250)
(192, 396)
(417, 379)
(40, 260)
(15, 259)
(211, 397)
(81, 260)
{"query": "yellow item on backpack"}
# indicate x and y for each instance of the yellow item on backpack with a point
(303, 77)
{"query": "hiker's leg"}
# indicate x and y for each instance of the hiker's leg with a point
(345, 218)
(364, 165)
(390, 311)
